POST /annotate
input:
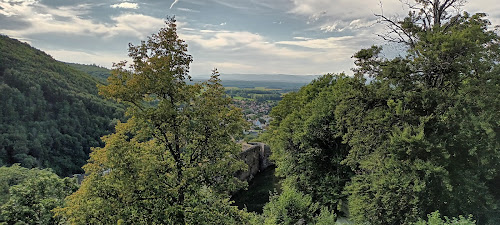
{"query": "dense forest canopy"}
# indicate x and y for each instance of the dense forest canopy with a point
(99, 72)
(27, 196)
(50, 113)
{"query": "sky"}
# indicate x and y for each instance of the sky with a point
(302, 37)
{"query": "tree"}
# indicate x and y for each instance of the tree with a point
(29, 195)
(307, 146)
(424, 16)
(440, 144)
(293, 207)
(435, 219)
(174, 160)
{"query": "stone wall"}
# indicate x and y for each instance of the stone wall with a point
(256, 156)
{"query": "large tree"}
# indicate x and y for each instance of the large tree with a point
(174, 160)
(440, 145)
(307, 146)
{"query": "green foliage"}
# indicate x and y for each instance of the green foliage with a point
(215, 210)
(101, 73)
(29, 195)
(435, 133)
(420, 136)
(289, 207)
(294, 207)
(10, 176)
(307, 147)
(256, 195)
(435, 219)
(326, 217)
(259, 95)
(174, 160)
(50, 113)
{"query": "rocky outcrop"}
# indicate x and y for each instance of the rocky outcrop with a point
(256, 156)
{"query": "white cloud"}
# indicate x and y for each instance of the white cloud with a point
(246, 52)
(42, 20)
(126, 5)
(15, 7)
(339, 26)
(301, 38)
(316, 16)
(136, 24)
(173, 3)
(212, 39)
(347, 9)
(490, 7)
(325, 43)
(330, 28)
(341, 15)
(187, 10)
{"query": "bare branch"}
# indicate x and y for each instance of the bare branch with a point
(395, 28)
(425, 16)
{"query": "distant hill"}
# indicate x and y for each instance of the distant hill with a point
(101, 73)
(271, 81)
(303, 79)
(50, 113)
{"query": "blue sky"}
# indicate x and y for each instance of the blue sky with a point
(306, 37)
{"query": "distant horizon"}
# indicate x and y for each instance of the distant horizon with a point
(209, 74)
(244, 74)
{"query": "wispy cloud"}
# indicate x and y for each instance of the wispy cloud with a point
(337, 43)
(302, 38)
(173, 3)
(125, 5)
(246, 52)
(188, 10)
(233, 4)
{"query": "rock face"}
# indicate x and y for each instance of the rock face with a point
(256, 156)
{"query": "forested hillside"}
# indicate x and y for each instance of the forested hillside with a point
(50, 113)
(101, 73)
